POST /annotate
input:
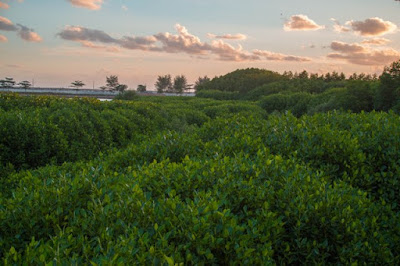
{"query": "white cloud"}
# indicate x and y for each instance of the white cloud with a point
(301, 23)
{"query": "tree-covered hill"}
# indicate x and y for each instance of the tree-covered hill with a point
(242, 80)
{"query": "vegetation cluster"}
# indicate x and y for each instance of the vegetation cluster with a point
(186, 180)
(304, 93)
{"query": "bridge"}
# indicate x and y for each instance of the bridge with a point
(68, 92)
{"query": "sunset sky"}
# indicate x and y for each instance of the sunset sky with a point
(56, 42)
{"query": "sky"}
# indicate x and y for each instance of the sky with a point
(55, 42)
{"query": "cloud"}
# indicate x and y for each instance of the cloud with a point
(372, 27)
(280, 57)
(347, 48)
(24, 32)
(227, 52)
(146, 43)
(28, 34)
(7, 25)
(339, 27)
(77, 33)
(89, 4)
(361, 55)
(182, 42)
(4, 5)
(88, 44)
(302, 23)
(3, 38)
(237, 36)
(376, 41)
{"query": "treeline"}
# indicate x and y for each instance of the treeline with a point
(319, 189)
(305, 93)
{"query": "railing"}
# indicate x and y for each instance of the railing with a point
(87, 92)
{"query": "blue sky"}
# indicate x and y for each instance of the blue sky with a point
(58, 41)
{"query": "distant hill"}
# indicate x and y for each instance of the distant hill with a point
(242, 80)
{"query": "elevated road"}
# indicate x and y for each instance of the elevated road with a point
(67, 92)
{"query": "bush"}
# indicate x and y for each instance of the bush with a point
(127, 95)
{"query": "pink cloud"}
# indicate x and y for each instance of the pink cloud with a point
(347, 48)
(361, 55)
(372, 27)
(28, 34)
(3, 38)
(280, 57)
(228, 36)
(24, 32)
(338, 27)
(376, 41)
(4, 5)
(89, 4)
(7, 25)
(182, 42)
(301, 23)
(89, 44)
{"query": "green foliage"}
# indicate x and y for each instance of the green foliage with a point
(141, 88)
(218, 95)
(180, 84)
(199, 181)
(163, 84)
(388, 91)
(127, 95)
(241, 80)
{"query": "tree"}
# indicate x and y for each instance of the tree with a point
(303, 75)
(77, 84)
(180, 84)
(7, 83)
(112, 84)
(141, 88)
(121, 88)
(201, 81)
(163, 84)
(25, 84)
(314, 76)
(388, 91)
(288, 74)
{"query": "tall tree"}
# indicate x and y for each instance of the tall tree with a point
(180, 84)
(25, 84)
(7, 83)
(141, 88)
(112, 84)
(164, 83)
(201, 81)
(77, 84)
(303, 75)
(389, 89)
